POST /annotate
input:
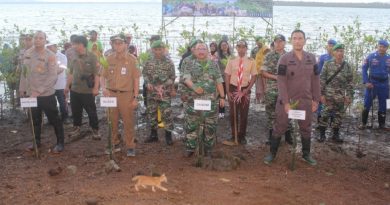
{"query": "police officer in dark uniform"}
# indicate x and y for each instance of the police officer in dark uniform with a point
(375, 72)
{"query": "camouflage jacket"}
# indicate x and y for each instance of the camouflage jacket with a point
(341, 85)
(160, 72)
(205, 75)
(270, 66)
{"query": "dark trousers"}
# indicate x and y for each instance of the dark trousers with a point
(222, 109)
(145, 93)
(80, 101)
(48, 105)
(241, 112)
(62, 102)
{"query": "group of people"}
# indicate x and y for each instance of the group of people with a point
(208, 76)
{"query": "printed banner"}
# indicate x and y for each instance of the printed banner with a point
(241, 8)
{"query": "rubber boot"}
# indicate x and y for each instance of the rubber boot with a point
(168, 137)
(152, 137)
(382, 120)
(322, 134)
(306, 151)
(268, 142)
(288, 137)
(336, 136)
(274, 142)
(364, 119)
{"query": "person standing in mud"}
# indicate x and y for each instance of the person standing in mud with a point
(204, 80)
(258, 53)
(223, 55)
(38, 77)
(270, 72)
(159, 75)
(240, 76)
(336, 92)
(298, 83)
(121, 80)
(375, 72)
(83, 75)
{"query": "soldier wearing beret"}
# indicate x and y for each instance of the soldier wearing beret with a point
(375, 71)
(159, 75)
(121, 80)
(298, 83)
(336, 92)
(39, 75)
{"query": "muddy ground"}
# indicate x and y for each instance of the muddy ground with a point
(80, 176)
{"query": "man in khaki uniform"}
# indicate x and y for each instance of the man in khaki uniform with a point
(39, 74)
(121, 80)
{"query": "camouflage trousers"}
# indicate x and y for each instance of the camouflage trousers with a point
(200, 126)
(334, 108)
(166, 113)
(270, 98)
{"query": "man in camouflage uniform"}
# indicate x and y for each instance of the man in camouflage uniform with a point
(336, 92)
(203, 78)
(270, 72)
(159, 76)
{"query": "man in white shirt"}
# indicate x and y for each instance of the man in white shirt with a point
(61, 81)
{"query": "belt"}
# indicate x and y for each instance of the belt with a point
(117, 91)
(380, 79)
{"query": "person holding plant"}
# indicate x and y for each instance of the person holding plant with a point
(240, 76)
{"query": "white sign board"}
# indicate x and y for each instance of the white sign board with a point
(388, 104)
(202, 105)
(297, 114)
(108, 102)
(28, 102)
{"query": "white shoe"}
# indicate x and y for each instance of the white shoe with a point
(221, 115)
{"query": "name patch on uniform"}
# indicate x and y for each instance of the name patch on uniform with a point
(108, 102)
(123, 71)
(316, 69)
(282, 70)
(202, 105)
(297, 114)
(388, 104)
(28, 102)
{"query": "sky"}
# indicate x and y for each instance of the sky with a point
(352, 1)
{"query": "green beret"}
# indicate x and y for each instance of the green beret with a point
(258, 38)
(338, 46)
(158, 44)
(193, 43)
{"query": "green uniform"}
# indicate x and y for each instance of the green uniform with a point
(82, 68)
(160, 73)
(205, 75)
(339, 87)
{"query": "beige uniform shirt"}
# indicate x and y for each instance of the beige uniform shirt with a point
(249, 70)
(39, 73)
(121, 73)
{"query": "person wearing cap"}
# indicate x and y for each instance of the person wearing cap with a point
(240, 76)
(121, 80)
(111, 50)
(71, 53)
(83, 75)
(258, 53)
(203, 79)
(336, 92)
(270, 72)
(130, 47)
(159, 74)
(299, 84)
(224, 54)
(375, 72)
(94, 45)
(61, 81)
(38, 77)
(328, 55)
(26, 42)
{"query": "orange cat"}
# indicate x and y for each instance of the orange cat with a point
(150, 181)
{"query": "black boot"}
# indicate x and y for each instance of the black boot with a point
(168, 137)
(382, 120)
(288, 137)
(336, 136)
(274, 142)
(322, 134)
(268, 142)
(364, 119)
(306, 142)
(152, 137)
